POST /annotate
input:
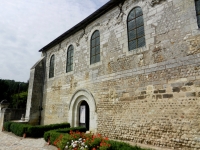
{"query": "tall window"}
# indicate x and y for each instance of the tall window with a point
(135, 26)
(51, 67)
(95, 47)
(70, 53)
(197, 5)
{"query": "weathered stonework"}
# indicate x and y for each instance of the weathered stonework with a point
(149, 95)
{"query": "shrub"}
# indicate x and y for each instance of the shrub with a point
(33, 131)
(6, 126)
(53, 134)
(116, 145)
(39, 130)
(18, 128)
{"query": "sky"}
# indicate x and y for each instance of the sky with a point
(26, 26)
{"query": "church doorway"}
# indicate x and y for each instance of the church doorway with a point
(83, 110)
(84, 115)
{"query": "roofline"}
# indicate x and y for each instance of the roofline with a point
(81, 25)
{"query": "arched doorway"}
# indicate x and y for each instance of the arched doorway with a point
(84, 115)
(83, 97)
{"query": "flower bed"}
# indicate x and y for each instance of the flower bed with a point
(81, 141)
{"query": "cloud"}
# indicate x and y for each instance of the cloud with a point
(27, 26)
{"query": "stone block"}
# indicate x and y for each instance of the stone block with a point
(176, 89)
(167, 95)
(190, 94)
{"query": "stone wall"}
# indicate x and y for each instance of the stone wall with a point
(148, 95)
(35, 93)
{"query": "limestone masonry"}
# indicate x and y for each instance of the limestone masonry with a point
(149, 94)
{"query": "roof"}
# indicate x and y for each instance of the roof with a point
(81, 25)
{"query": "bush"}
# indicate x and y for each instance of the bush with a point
(33, 131)
(54, 134)
(116, 145)
(39, 130)
(6, 126)
(18, 128)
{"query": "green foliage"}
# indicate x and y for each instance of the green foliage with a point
(116, 145)
(62, 142)
(39, 130)
(6, 126)
(32, 131)
(18, 128)
(19, 100)
(54, 134)
(9, 88)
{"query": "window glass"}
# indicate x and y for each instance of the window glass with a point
(135, 26)
(197, 6)
(95, 48)
(70, 52)
(51, 67)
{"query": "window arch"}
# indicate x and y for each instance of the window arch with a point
(95, 47)
(197, 6)
(135, 26)
(51, 66)
(70, 55)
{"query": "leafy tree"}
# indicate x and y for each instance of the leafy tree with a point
(14, 92)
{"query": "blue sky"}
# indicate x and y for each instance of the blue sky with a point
(28, 25)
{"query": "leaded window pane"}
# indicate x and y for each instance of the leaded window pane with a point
(93, 51)
(93, 43)
(92, 59)
(140, 31)
(132, 34)
(133, 44)
(97, 41)
(139, 21)
(131, 24)
(135, 26)
(138, 11)
(131, 15)
(141, 42)
(97, 34)
(198, 20)
(197, 6)
(70, 53)
(95, 48)
(98, 57)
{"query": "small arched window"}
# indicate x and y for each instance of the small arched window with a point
(95, 47)
(51, 66)
(135, 26)
(197, 6)
(70, 53)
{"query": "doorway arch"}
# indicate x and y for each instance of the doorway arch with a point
(77, 99)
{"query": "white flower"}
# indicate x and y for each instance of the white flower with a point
(83, 144)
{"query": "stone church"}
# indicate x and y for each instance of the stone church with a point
(130, 71)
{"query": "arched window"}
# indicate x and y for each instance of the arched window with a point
(135, 26)
(95, 47)
(70, 53)
(51, 67)
(197, 6)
